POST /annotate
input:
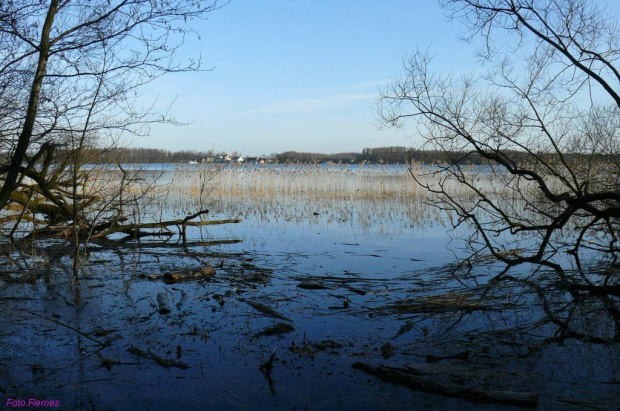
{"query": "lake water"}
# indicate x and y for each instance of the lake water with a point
(358, 277)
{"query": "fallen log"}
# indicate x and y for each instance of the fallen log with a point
(104, 230)
(189, 275)
(415, 382)
(212, 222)
(268, 311)
(122, 243)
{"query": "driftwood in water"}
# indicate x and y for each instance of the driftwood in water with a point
(189, 275)
(268, 311)
(120, 244)
(103, 230)
(448, 302)
(309, 285)
(132, 229)
(405, 328)
(279, 328)
(164, 304)
(408, 379)
(463, 355)
(358, 291)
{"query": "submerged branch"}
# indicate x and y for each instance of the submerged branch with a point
(415, 382)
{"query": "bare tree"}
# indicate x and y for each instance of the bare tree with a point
(545, 118)
(72, 69)
(70, 75)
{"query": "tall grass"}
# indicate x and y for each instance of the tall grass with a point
(310, 181)
(370, 195)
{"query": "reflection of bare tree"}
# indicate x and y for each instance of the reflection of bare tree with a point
(560, 304)
(531, 329)
(545, 119)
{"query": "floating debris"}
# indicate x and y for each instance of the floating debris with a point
(356, 290)
(164, 304)
(459, 356)
(408, 326)
(268, 311)
(103, 333)
(309, 285)
(205, 272)
(326, 344)
(387, 350)
(279, 328)
(408, 378)
(448, 302)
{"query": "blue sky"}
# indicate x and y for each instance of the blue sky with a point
(299, 75)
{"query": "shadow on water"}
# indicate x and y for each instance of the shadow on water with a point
(324, 304)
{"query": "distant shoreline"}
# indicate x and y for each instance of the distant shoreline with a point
(378, 156)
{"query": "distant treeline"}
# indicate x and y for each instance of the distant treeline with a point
(379, 155)
(382, 155)
(404, 155)
(151, 155)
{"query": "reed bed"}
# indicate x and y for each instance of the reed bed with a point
(320, 181)
(155, 191)
(383, 196)
(313, 181)
(301, 189)
(310, 181)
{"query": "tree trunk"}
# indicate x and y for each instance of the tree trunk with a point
(23, 143)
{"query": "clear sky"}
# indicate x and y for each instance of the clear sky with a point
(300, 75)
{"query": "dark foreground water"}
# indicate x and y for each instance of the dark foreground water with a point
(371, 282)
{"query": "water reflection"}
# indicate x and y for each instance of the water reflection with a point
(363, 280)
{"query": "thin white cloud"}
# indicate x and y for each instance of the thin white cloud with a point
(314, 104)
(367, 84)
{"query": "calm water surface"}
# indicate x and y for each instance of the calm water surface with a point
(388, 275)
